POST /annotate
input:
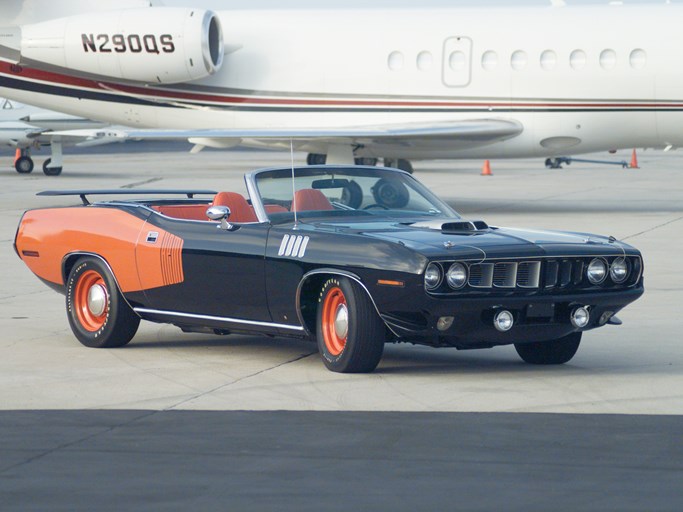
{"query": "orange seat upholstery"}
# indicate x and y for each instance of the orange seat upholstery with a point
(308, 199)
(240, 211)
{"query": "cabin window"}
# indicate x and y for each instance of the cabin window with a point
(548, 60)
(395, 61)
(457, 61)
(489, 60)
(578, 59)
(425, 60)
(519, 60)
(638, 58)
(608, 59)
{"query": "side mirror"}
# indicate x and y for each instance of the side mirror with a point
(221, 213)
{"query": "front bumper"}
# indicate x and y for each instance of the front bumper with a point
(536, 318)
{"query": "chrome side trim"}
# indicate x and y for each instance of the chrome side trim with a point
(219, 319)
(336, 272)
(106, 263)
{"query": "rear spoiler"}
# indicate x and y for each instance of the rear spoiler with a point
(117, 191)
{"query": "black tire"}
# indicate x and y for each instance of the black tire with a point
(24, 165)
(370, 161)
(113, 323)
(405, 165)
(51, 171)
(316, 159)
(359, 350)
(550, 352)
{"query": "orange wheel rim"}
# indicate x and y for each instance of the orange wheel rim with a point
(91, 301)
(335, 321)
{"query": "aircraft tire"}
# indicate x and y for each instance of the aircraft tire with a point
(316, 159)
(51, 171)
(24, 165)
(405, 165)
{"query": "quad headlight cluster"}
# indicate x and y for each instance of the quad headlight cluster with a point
(598, 270)
(456, 276)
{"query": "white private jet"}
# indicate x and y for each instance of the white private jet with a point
(358, 82)
(25, 128)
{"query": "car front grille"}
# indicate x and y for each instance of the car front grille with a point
(552, 275)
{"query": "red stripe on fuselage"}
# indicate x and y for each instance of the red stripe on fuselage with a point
(152, 93)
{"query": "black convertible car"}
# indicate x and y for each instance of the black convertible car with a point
(353, 257)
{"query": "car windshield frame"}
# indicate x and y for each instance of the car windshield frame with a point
(363, 192)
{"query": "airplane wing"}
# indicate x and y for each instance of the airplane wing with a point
(464, 134)
(81, 138)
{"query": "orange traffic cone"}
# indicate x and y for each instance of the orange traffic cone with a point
(486, 170)
(634, 161)
(17, 155)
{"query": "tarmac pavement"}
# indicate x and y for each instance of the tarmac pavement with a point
(627, 380)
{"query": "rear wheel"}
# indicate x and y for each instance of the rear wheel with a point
(350, 333)
(98, 314)
(550, 352)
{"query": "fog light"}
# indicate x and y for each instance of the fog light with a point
(580, 317)
(503, 320)
(444, 323)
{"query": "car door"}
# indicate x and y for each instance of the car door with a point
(212, 271)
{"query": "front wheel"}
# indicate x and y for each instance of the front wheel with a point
(98, 314)
(24, 165)
(550, 352)
(350, 333)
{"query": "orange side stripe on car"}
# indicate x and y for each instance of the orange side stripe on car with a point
(107, 232)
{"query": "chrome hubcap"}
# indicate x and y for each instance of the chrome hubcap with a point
(341, 321)
(97, 299)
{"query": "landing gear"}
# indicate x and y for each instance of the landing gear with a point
(316, 159)
(51, 167)
(24, 165)
(51, 171)
(556, 163)
(365, 161)
(401, 163)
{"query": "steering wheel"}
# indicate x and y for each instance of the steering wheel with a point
(375, 205)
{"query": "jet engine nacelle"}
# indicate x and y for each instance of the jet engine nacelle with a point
(151, 45)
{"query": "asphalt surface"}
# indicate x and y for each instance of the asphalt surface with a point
(180, 420)
(338, 461)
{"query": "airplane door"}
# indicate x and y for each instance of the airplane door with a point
(457, 61)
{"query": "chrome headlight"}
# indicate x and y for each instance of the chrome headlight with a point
(456, 277)
(618, 271)
(432, 276)
(597, 271)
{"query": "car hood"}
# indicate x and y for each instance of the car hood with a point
(449, 239)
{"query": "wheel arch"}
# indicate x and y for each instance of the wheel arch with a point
(70, 259)
(308, 291)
